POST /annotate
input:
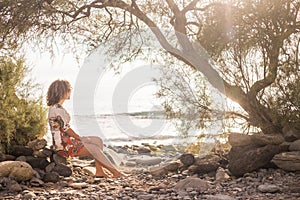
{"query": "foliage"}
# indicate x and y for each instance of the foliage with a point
(22, 117)
(18, 19)
(254, 44)
(186, 98)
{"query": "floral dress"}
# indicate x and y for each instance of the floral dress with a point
(59, 120)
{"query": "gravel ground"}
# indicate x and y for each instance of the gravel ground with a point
(263, 184)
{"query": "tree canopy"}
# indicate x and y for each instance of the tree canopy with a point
(253, 44)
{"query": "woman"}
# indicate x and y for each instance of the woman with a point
(65, 138)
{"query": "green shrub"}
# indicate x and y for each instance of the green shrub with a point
(22, 115)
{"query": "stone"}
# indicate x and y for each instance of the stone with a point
(62, 170)
(249, 158)
(18, 150)
(47, 152)
(238, 140)
(37, 162)
(130, 164)
(5, 157)
(218, 197)
(295, 146)
(268, 188)
(37, 144)
(58, 159)
(172, 167)
(149, 160)
(192, 182)
(221, 175)
(207, 164)
(50, 167)
(36, 182)
(89, 170)
(21, 171)
(51, 177)
(187, 159)
(264, 139)
(158, 171)
(21, 158)
(143, 150)
(39, 154)
(291, 134)
(16, 187)
(289, 161)
(29, 195)
(78, 185)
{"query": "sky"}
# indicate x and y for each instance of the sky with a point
(45, 70)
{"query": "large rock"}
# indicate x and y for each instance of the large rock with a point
(289, 161)
(209, 163)
(37, 144)
(37, 162)
(18, 150)
(238, 140)
(62, 170)
(21, 171)
(249, 158)
(4, 157)
(295, 146)
(291, 134)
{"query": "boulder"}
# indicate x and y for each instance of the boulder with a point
(21, 171)
(238, 139)
(295, 146)
(289, 161)
(37, 144)
(37, 162)
(4, 157)
(18, 150)
(249, 158)
(208, 164)
(62, 170)
(291, 134)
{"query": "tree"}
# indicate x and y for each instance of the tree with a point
(254, 44)
(22, 116)
(17, 19)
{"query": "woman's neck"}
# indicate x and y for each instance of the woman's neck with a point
(61, 102)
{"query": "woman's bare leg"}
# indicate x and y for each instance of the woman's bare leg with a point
(95, 145)
(99, 169)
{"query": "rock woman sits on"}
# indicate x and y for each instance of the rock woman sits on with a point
(66, 139)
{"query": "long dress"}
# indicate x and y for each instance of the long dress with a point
(59, 121)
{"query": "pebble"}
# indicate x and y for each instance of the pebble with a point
(141, 184)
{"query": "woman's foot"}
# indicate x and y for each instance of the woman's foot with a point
(119, 174)
(101, 175)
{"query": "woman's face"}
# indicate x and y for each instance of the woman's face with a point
(68, 95)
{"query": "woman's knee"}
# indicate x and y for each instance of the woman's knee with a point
(99, 141)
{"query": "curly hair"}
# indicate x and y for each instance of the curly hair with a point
(57, 91)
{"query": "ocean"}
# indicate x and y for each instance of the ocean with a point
(121, 108)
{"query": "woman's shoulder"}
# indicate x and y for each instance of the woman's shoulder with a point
(55, 107)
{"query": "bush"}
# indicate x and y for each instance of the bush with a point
(22, 115)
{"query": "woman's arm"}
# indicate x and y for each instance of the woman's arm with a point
(72, 133)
